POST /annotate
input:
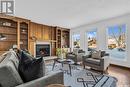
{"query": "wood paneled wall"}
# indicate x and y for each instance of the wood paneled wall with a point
(42, 33)
(36, 32)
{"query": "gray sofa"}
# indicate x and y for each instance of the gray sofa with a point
(9, 76)
(100, 64)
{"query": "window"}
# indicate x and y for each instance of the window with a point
(76, 40)
(117, 41)
(92, 40)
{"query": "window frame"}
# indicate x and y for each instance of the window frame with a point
(126, 40)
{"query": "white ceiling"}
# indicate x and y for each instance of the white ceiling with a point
(70, 13)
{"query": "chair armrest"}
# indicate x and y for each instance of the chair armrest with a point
(71, 55)
(105, 61)
(55, 78)
(85, 57)
(80, 57)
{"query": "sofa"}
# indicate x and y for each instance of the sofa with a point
(97, 61)
(76, 55)
(9, 76)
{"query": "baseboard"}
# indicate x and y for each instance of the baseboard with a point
(120, 66)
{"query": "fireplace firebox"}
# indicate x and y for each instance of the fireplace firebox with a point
(45, 48)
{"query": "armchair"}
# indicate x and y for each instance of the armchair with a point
(76, 55)
(100, 64)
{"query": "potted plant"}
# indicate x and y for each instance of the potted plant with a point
(61, 52)
(58, 52)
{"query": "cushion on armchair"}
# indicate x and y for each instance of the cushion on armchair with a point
(96, 54)
(76, 50)
(93, 61)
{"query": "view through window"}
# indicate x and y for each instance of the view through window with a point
(117, 41)
(92, 40)
(76, 40)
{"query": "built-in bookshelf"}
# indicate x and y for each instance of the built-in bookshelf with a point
(24, 35)
(53, 41)
(14, 31)
(62, 37)
(65, 38)
(8, 30)
(58, 38)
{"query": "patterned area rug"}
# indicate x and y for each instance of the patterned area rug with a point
(82, 77)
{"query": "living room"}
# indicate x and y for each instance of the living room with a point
(64, 43)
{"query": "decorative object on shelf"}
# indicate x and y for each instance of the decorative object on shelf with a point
(2, 37)
(24, 31)
(21, 42)
(15, 46)
(34, 38)
(6, 24)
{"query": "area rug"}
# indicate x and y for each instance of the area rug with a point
(83, 77)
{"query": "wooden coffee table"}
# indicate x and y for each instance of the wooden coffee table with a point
(56, 85)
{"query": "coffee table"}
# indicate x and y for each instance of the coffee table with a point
(69, 62)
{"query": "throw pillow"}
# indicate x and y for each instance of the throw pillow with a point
(103, 53)
(96, 54)
(30, 68)
(0, 85)
(75, 50)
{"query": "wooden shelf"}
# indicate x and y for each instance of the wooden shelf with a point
(53, 41)
(12, 27)
(24, 44)
(3, 51)
(23, 33)
(6, 33)
(24, 39)
(8, 41)
(24, 28)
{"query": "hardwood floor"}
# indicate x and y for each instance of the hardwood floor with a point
(122, 74)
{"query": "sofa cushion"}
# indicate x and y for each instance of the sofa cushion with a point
(30, 69)
(93, 61)
(9, 77)
(2, 57)
(14, 59)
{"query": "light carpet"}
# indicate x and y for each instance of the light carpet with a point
(83, 77)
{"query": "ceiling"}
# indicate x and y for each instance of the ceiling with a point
(70, 13)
